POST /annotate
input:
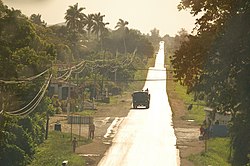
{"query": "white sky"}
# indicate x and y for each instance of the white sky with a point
(143, 15)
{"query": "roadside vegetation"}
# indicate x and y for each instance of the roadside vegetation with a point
(217, 153)
(56, 149)
(100, 63)
(213, 64)
(218, 149)
(195, 108)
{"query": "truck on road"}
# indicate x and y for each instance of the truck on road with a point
(141, 98)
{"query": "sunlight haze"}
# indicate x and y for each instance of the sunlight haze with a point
(141, 15)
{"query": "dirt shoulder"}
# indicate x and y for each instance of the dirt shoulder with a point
(103, 119)
(187, 132)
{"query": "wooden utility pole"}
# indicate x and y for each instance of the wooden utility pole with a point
(47, 125)
(80, 127)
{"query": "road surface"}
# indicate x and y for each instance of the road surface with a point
(146, 136)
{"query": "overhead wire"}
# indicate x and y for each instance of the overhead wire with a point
(67, 77)
(61, 77)
(83, 67)
(25, 79)
(32, 108)
(78, 68)
(21, 109)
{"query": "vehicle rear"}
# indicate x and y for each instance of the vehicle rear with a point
(141, 98)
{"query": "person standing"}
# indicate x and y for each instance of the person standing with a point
(91, 130)
(74, 144)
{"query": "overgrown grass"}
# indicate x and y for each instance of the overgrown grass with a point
(56, 149)
(197, 112)
(217, 153)
(217, 148)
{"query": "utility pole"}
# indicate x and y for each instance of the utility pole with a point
(115, 63)
(47, 125)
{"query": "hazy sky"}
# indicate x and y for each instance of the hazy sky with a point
(143, 15)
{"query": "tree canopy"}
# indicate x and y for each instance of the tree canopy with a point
(30, 53)
(215, 63)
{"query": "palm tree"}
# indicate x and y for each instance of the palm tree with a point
(36, 18)
(74, 23)
(88, 21)
(99, 26)
(121, 25)
(74, 17)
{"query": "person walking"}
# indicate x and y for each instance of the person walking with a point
(91, 131)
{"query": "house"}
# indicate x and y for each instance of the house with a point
(62, 89)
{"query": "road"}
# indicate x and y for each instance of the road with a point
(146, 136)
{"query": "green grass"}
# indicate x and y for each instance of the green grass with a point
(56, 149)
(197, 112)
(217, 153)
(86, 113)
(218, 148)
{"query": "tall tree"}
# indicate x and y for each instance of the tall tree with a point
(122, 26)
(88, 21)
(37, 19)
(22, 51)
(75, 24)
(99, 26)
(155, 37)
(74, 17)
(216, 64)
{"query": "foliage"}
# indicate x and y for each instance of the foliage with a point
(28, 47)
(36, 18)
(197, 112)
(22, 54)
(154, 38)
(217, 153)
(74, 18)
(19, 138)
(53, 152)
(215, 64)
(135, 42)
(121, 26)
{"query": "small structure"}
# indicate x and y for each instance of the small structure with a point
(57, 126)
(217, 122)
(62, 89)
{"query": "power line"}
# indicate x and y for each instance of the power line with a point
(19, 110)
(25, 79)
(32, 108)
(131, 80)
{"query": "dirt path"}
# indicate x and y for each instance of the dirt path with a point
(187, 132)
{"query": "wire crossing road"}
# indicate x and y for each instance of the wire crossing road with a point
(146, 136)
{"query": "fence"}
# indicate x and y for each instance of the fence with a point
(80, 120)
